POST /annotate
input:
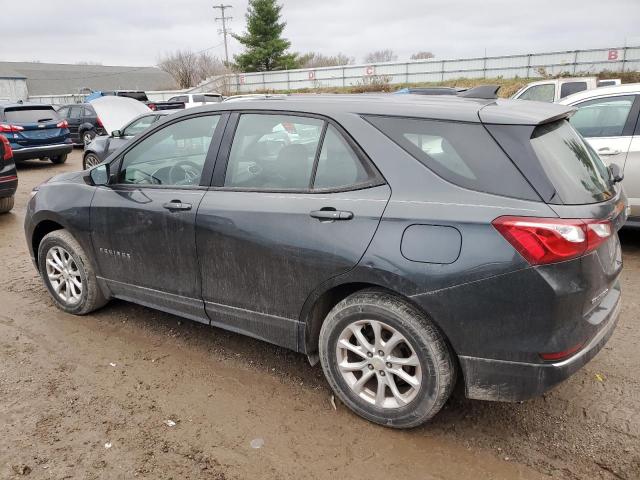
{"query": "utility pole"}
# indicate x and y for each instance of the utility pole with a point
(224, 19)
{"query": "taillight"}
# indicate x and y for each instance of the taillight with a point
(4, 128)
(8, 153)
(548, 240)
(63, 124)
(152, 106)
(557, 356)
(99, 122)
(289, 127)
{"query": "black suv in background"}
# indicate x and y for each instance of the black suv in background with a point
(84, 123)
(8, 176)
(35, 131)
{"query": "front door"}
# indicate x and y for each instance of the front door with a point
(143, 225)
(297, 205)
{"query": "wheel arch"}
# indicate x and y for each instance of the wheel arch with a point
(42, 229)
(320, 304)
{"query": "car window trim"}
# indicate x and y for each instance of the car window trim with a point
(375, 177)
(207, 170)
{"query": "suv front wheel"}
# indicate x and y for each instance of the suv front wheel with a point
(385, 360)
(68, 274)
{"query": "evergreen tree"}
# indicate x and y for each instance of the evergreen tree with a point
(265, 49)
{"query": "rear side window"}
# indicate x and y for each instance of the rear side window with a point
(30, 114)
(569, 88)
(540, 93)
(574, 169)
(461, 153)
(338, 165)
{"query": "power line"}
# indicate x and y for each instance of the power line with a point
(224, 19)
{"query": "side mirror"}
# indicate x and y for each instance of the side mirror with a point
(116, 133)
(100, 174)
(616, 173)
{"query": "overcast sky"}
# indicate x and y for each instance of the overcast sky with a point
(138, 32)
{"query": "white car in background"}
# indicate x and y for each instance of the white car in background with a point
(192, 100)
(555, 89)
(608, 118)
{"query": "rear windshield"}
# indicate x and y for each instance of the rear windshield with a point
(574, 169)
(461, 153)
(30, 114)
(212, 98)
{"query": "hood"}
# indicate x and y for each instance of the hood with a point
(116, 112)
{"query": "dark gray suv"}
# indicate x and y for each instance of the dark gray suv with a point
(405, 241)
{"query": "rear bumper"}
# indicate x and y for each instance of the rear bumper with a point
(27, 153)
(507, 381)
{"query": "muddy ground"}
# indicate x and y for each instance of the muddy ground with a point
(72, 386)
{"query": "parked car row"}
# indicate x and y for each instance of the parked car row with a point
(403, 241)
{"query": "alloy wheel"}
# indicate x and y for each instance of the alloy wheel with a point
(379, 364)
(91, 161)
(64, 275)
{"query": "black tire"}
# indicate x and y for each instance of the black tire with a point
(60, 159)
(91, 297)
(90, 160)
(87, 136)
(6, 204)
(438, 368)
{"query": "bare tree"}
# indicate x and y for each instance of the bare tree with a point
(316, 60)
(381, 56)
(188, 69)
(424, 55)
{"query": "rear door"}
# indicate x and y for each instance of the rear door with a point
(75, 120)
(296, 204)
(632, 173)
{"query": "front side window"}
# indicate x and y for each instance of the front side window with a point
(602, 117)
(273, 152)
(539, 93)
(174, 155)
(139, 125)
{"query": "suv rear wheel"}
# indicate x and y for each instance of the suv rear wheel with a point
(6, 204)
(58, 159)
(68, 274)
(385, 360)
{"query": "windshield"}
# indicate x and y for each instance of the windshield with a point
(574, 169)
(31, 115)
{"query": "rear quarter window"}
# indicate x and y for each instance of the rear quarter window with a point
(461, 153)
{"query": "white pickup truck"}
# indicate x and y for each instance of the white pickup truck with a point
(191, 100)
(553, 90)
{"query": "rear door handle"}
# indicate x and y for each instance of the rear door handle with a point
(331, 214)
(174, 205)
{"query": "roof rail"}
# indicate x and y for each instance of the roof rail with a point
(482, 91)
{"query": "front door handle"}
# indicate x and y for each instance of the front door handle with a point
(175, 205)
(608, 151)
(331, 214)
